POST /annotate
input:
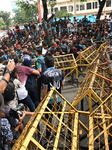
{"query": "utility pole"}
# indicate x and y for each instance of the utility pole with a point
(74, 8)
(39, 11)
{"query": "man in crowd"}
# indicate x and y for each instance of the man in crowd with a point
(52, 78)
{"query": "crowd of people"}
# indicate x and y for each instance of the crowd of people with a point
(27, 60)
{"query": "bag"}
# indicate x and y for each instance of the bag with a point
(42, 61)
(31, 81)
(9, 92)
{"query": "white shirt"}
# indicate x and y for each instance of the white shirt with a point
(21, 92)
(2, 66)
(44, 51)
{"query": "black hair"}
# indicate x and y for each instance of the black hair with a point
(49, 61)
(39, 50)
(44, 43)
(52, 50)
(16, 60)
(2, 59)
(58, 49)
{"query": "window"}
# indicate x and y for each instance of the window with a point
(70, 8)
(77, 7)
(108, 3)
(49, 11)
(82, 7)
(63, 8)
(95, 5)
(107, 13)
(88, 5)
(55, 9)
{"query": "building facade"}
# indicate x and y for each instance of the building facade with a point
(90, 7)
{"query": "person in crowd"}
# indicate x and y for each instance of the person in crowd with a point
(110, 16)
(52, 77)
(40, 66)
(22, 93)
(31, 83)
(6, 77)
(44, 48)
(64, 47)
(9, 133)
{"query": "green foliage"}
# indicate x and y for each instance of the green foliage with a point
(2, 24)
(20, 17)
(6, 18)
(63, 13)
(27, 11)
(52, 3)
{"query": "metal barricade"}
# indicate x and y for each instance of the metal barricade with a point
(67, 64)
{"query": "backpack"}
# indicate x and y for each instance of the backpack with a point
(42, 61)
(9, 92)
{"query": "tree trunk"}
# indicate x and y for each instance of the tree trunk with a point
(45, 13)
(101, 3)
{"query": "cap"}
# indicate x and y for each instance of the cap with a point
(54, 43)
(18, 45)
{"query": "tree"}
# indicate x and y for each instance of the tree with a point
(20, 17)
(52, 3)
(101, 5)
(26, 6)
(2, 24)
(45, 12)
(29, 8)
(63, 13)
(6, 18)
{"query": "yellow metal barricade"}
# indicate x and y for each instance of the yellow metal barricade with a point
(95, 86)
(87, 57)
(59, 125)
(100, 127)
(51, 127)
(67, 64)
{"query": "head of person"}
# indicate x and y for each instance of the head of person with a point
(27, 60)
(52, 51)
(16, 60)
(49, 61)
(18, 47)
(2, 60)
(63, 41)
(53, 44)
(39, 51)
(24, 48)
(11, 50)
(45, 45)
(1, 53)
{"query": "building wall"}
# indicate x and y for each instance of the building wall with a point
(14, 6)
(82, 8)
